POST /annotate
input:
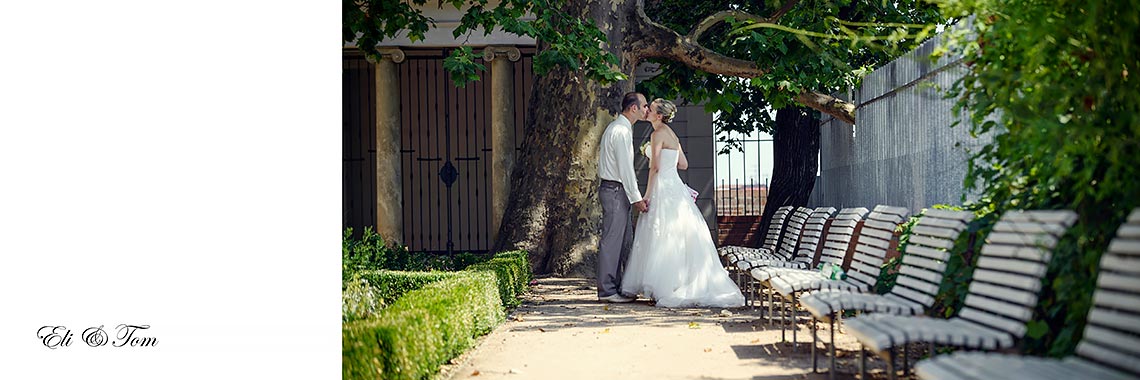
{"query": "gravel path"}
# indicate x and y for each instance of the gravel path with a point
(562, 331)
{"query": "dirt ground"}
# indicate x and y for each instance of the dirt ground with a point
(562, 331)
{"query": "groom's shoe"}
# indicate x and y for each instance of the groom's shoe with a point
(616, 298)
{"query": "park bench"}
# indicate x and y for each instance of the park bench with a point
(784, 251)
(734, 256)
(809, 232)
(836, 245)
(919, 277)
(1110, 346)
(1001, 297)
(870, 252)
(734, 253)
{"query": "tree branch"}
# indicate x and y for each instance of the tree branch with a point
(653, 40)
(718, 17)
(657, 41)
(828, 104)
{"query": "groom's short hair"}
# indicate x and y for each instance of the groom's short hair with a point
(630, 99)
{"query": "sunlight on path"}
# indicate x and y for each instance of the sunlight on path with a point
(563, 332)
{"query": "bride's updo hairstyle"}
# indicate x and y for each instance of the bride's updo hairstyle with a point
(665, 108)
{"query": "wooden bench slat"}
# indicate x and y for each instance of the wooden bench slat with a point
(926, 241)
(1128, 231)
(1117, 281)
(1021, 252)
(931, 232)
(1115, 319)
(875, 252)
(1116, 300)
(926, 252)
(949, 214)
(892, 209)
(863, 267)
(1021, 282)
(1065, 217)
(1007, 295)
(1031, 228)
(1024, 267)
(880, 224)
(1103, 355)
(925, 287)
(911, 295)
(925, 263)
(1009, 310)
(1125, 247)
(1033, 240)
(1008, 325)
(1113, 340)
(920, 274)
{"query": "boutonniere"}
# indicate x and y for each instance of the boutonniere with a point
(645, 149)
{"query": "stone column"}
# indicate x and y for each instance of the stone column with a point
(502, 128)
(389, 198)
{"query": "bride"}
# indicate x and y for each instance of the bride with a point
(673, 259)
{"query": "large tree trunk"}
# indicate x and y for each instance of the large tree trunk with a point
(553, 212)
(795, 153)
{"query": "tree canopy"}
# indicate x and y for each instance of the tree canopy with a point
(761, 55)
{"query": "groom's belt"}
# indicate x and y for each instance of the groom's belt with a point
(606, 182)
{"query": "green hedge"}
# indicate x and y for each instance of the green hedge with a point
(513, 272)
(367, 292)
(412, 337)
(390, 285)
(428, 326)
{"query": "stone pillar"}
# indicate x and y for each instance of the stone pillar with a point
(502, 128)
(389, 198)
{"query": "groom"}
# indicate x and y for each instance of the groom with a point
(617, 192)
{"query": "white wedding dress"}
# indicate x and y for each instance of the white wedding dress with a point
(674, 260)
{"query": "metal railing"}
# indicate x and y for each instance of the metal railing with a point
(740, 190)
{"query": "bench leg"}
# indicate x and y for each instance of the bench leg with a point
(906, 360)
(862, 362)
(771, 305)
(831, 375)
(795, 327)
(814, 340)
(891, 363)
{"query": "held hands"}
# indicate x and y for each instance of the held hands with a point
(642, 205)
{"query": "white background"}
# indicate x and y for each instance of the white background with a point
(173, 164)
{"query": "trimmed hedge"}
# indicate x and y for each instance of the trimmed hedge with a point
(370, 291)
(411, 338)
(513, 273)
(428, 326)
(390, 285)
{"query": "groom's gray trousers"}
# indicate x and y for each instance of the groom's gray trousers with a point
(616, 239)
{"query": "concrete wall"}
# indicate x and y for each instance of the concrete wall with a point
(902, 150)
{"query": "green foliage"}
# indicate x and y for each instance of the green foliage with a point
(431, 318)
(571, 41)
(359, 301)
(955, 285)
(425, 328)
(370, 252)
(388, 286)
(513, 273)
(889, 270)
(823, 46)
(1054, 83)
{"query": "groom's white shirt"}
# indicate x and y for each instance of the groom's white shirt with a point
(615, 162)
